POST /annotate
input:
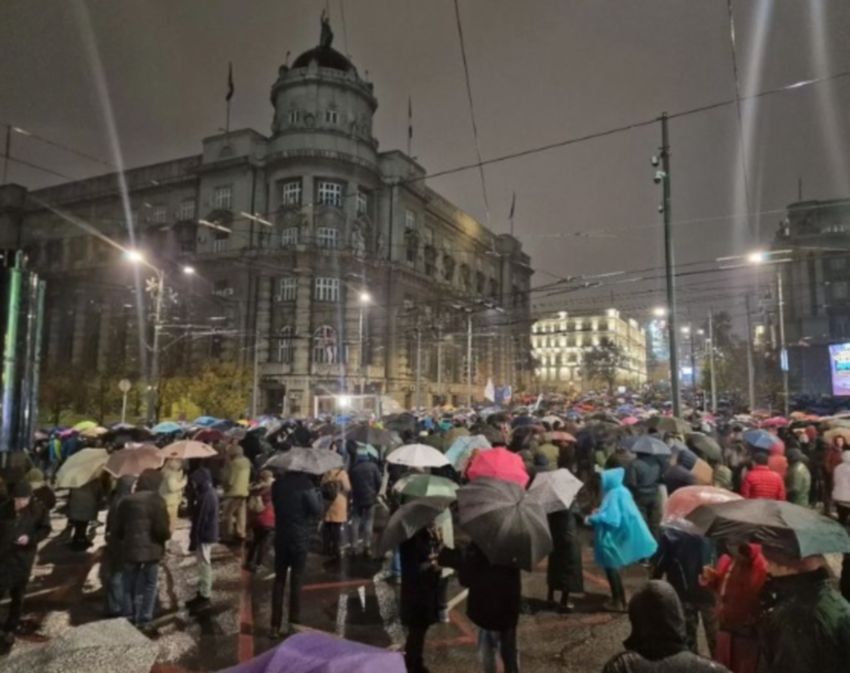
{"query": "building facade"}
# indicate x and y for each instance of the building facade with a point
(322, 263)
(560, 341)
(815, 236)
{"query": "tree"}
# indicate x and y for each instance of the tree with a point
(219, 388)
(604, 362)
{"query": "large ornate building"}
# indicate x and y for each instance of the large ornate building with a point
(323, 263)
(560, 341)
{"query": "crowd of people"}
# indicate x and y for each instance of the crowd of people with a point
(756, 604)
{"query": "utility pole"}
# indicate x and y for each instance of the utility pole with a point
(663, 176)
(711, 361)
(153, 380)
(469, 357)
(783, 351)
(751, 384)
(255, 379)
(693, 364)
(10, 357)
(418, 365)
(440, 362)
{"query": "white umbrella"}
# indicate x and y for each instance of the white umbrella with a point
(417, 455)
(188, 448)
(554, 490)
(551, 420)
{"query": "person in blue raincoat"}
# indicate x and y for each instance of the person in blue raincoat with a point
(621, 536)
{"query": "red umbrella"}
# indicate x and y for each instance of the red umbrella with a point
(498, 463)
(559, 436)
(775, 422)
(685, 500)
(208, 436)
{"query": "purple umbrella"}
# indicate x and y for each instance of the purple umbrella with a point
(321, 653)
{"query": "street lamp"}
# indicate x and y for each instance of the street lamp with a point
(189, 270)
(137, 258)
(659, 311)
(364, 299)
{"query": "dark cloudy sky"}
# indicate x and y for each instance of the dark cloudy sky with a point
(542, 71)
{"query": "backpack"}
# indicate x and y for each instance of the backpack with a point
(330, 490)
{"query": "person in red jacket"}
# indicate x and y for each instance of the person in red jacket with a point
(738, 581)
(761, 482)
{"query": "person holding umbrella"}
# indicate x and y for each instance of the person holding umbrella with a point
(420, 590)
(297, 508)
(621, 536)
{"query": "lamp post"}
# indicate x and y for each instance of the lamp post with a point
(364, 299)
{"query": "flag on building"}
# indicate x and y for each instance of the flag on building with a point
(409, 119)
(537, 404)
(490, 391)
(229, 82)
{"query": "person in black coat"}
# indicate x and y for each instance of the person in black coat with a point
(142, 528)
(297, 508)
(564, 572)
(658, 643)
(493, 604)
(25, 523)
(203, 535)
(366, 480)
(420, 592)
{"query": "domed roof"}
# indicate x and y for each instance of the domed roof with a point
(325, 57)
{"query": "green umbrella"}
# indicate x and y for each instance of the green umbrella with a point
(410, 518)
(421, 485)
(81, 467)
(705, 446)
(796, 531)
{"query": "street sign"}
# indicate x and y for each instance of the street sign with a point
(124, 385)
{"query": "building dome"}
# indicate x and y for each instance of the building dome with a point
(325, 57)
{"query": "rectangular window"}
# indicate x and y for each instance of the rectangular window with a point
(409, 219)
(331, 116)
(289, 237)
(160, 214)
(219, 244)
(326, 237)
(291, 193)
(327, 289)
(286, 289)
(362, 202)
(294, 116)
(187, 210)
(840, 291)
(329, 194)
(223, 198)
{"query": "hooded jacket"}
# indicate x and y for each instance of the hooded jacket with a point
(238, 481)
(16, 560)
(141, 526)
(123, 488)
(365, 482)
(173, 483)
(205, 515)
(738, 583)
(798, 482)
(658, 642)
(621, 534)
(805, 626)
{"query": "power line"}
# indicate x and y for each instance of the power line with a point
(472, 111)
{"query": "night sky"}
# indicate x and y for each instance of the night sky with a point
(541, 71)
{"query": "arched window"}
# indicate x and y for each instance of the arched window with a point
(324, 345)
(285, 346)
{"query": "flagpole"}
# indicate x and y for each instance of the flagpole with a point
(409, 127)
(511, 216)
(227, 99)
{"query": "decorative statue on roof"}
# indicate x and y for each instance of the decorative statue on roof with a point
(327, 36)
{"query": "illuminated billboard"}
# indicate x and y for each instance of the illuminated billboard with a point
(839, 363)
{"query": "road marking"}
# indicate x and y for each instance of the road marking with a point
(341, 614)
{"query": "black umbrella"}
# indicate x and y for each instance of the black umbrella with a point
(311, 461)
(650, 445)
(508, 527)
(367, 434)
(704, 446)
(410, 518)
(797, 531)
(400, 423)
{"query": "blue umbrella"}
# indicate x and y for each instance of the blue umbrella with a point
(166, 428)
(205, 421)
(462, 448)
(759, 439)
(651, 446)
(223, 425)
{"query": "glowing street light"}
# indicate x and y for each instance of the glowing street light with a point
(134, 256)
(365, 298)
(189, 270)
(757, 257)
(659, 311)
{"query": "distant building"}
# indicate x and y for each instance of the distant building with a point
(560, 341)
(816, 289)
(288, 234)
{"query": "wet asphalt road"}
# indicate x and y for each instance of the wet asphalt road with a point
(349, 598)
